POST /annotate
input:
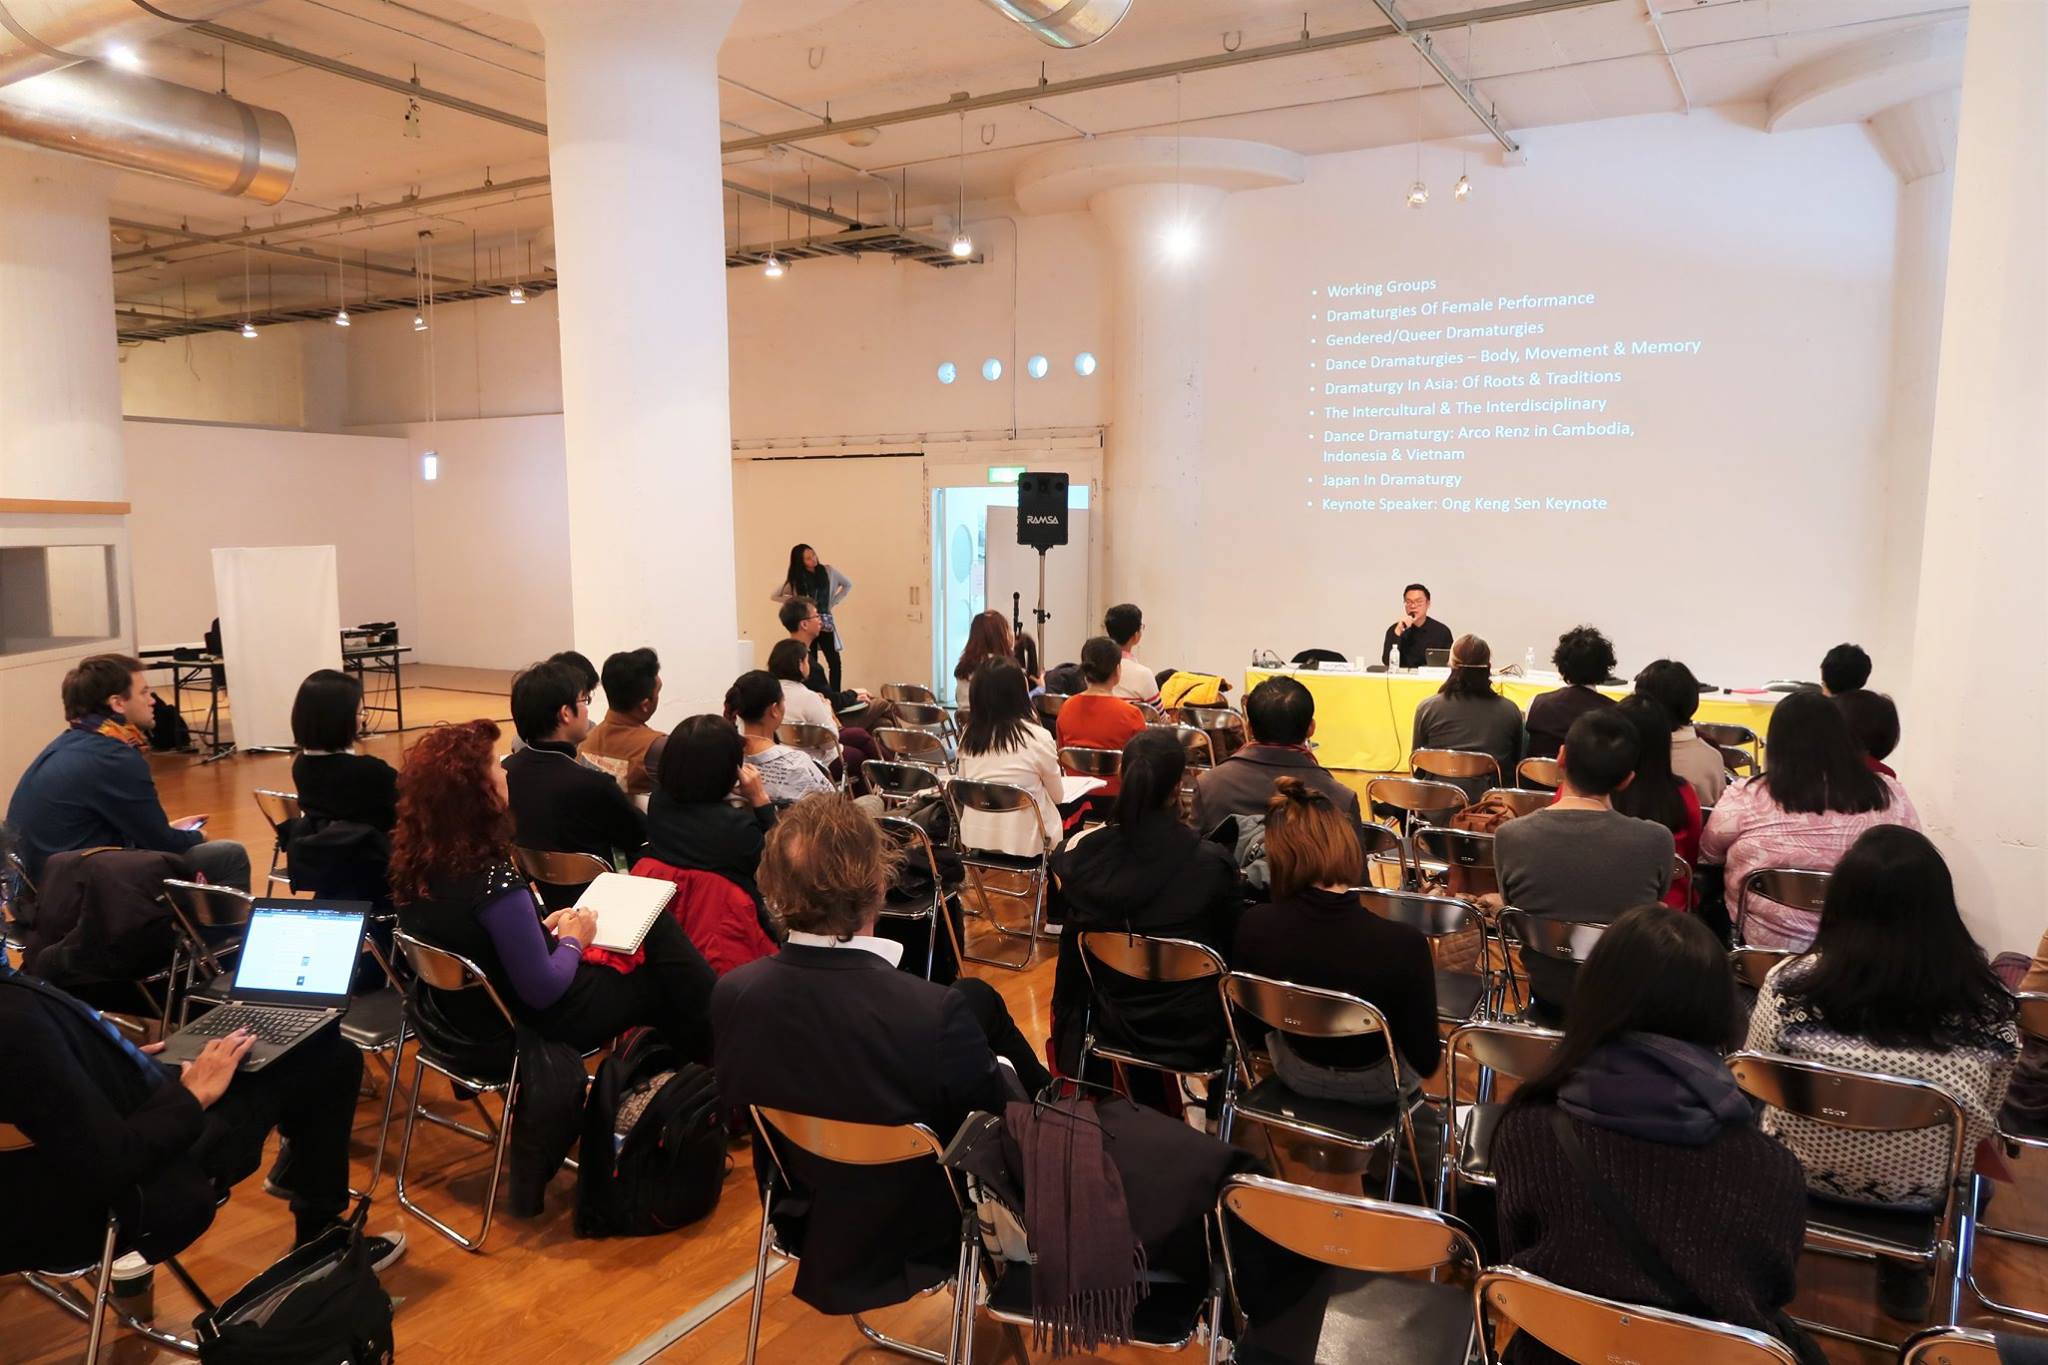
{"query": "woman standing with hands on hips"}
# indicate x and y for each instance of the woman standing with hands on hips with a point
(812, 578)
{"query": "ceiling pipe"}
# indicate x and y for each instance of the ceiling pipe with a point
(139, 123)
(39, 36)
(1064, 23)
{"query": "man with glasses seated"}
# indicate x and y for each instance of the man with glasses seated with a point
(559, 803)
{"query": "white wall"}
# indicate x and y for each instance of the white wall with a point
(288, 376)
(195, 487)
(489, 358)
(1744, 526)
(490, 540)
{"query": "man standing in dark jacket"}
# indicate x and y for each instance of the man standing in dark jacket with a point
(560, 804)
(91, 786)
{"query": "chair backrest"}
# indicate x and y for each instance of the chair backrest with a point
(1453, 847)
(447, 971)
(1415, 796)
(1092, 762)
(277, 806)
(559, 869)
(1454, 763)
(1522, 800)
(1950, 1346)
(910, 836)
(911, 746)
(912, 692)
(1345, 1230)
(898, 782)
(1194, 743)
(1726, 736)
(1565, 940)
(915, 715)
(1224, 727)
(991, 798)
(1431, 916)
(850, 1144)
(1150, 959)
(1541, 772)
(817, 738)
(1791, 886)
(12, 1139)
(204, 905)
(1752, 965)
(1583, 1327)
(1049, 704)
(1309, 1011)
(1380, 841)
(2033, 1015)
(1517, 1050)
(1859, 1101)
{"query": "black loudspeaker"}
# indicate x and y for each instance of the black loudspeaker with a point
(1041, 510)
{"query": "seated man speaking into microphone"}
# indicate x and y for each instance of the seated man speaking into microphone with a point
(1417, 632)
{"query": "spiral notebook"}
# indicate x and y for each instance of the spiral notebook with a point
(626, 908)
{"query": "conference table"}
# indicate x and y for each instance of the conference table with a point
(1364, 721)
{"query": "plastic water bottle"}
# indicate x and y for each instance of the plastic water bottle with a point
(1528, 661)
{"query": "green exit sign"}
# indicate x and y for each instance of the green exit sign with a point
(1005, 473)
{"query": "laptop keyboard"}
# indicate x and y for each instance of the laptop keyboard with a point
(270, 1023)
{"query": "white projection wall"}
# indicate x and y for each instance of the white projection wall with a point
(1639, 382)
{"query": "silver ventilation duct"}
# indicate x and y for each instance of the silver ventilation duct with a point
(139, 123)
(1064, 23)
(48, 35)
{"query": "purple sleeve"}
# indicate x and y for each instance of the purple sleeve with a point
(540, 974)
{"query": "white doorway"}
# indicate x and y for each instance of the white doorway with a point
(977, 564)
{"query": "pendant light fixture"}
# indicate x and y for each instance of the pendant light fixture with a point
(518, 294)
(1178, 241)
(1418, 193)
(248, 324)
(341, 286)
(1463, 190)
(419, 288)
(963, 245)
(772, 267)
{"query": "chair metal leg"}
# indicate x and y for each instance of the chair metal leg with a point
(384, 1124)
(102, 1292)
(760, 1273)
(1977, 1230)
(502, 1142)
(905, 1348)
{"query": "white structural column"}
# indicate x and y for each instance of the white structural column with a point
(1154, 196)
(1977, 713)
(640, 247)
(60, 401)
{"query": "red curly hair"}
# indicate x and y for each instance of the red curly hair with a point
(449, 820)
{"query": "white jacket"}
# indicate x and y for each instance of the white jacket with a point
(1033, 765)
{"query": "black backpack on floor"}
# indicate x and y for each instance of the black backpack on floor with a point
(320, 1303)
(654, 1152)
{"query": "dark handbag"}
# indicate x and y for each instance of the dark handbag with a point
(1650, 1261)
(321, 1303)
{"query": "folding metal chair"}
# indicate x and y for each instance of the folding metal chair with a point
(861, 1144)
(2024, 1141)
(1311, 1012)
(926, 716)
(1792, 887)
(1223, 726)
(1863, 1102)
(211, 923)
(94, 1312)
(911, 692)
(1364, 1306)
(921, 747)
(1156, 961)
(910, 836)
(1539, 772)
(1436, 765)
(1559, 940)
(1417, 802)
(1106, 764)
(1523, 800)
(984, 865)
(375, 1026)
(1384, 849)
(1950, 1346)
(442, 970)
(1752, 965)
(548, 867)
(1460, 996)
(1048, 705)
(1583, 1327)
(278, 807)
(1439, 850)
(898, 784)
(1742, 749)
(1517, 1051)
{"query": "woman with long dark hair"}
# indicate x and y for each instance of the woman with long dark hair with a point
(1638, 1104)
(989, 637)
(1816, 798)
(1467, 713)
(811, 578)
(1894, 984)
(1145, 872)
(1657, 794)
(1004, 743)
(453, 881)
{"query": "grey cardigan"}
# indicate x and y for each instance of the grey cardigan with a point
(841, 585)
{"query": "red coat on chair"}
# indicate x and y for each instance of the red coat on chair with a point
(716, 914)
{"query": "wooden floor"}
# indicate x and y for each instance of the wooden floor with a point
(538, 1294)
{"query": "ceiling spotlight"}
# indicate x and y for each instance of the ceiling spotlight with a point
(419, 322)
(1179, 241)
(1464, 188)
(963, 245)
(125, 57)
(1418, 195)
(517, 295)
(772, 267)
(249, 330)
(341, 318)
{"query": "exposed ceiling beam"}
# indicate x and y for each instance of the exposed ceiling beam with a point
(325, 262)
(1460, 86)
(1107, 80)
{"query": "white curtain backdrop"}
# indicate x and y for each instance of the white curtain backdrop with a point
(280, 619)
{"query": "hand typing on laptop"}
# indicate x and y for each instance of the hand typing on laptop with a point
(207, 1076)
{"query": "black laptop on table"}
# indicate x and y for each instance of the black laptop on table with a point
(291, 979)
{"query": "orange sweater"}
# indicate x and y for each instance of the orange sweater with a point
(1093, 721)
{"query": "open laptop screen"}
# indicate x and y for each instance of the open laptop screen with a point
(300, 953)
